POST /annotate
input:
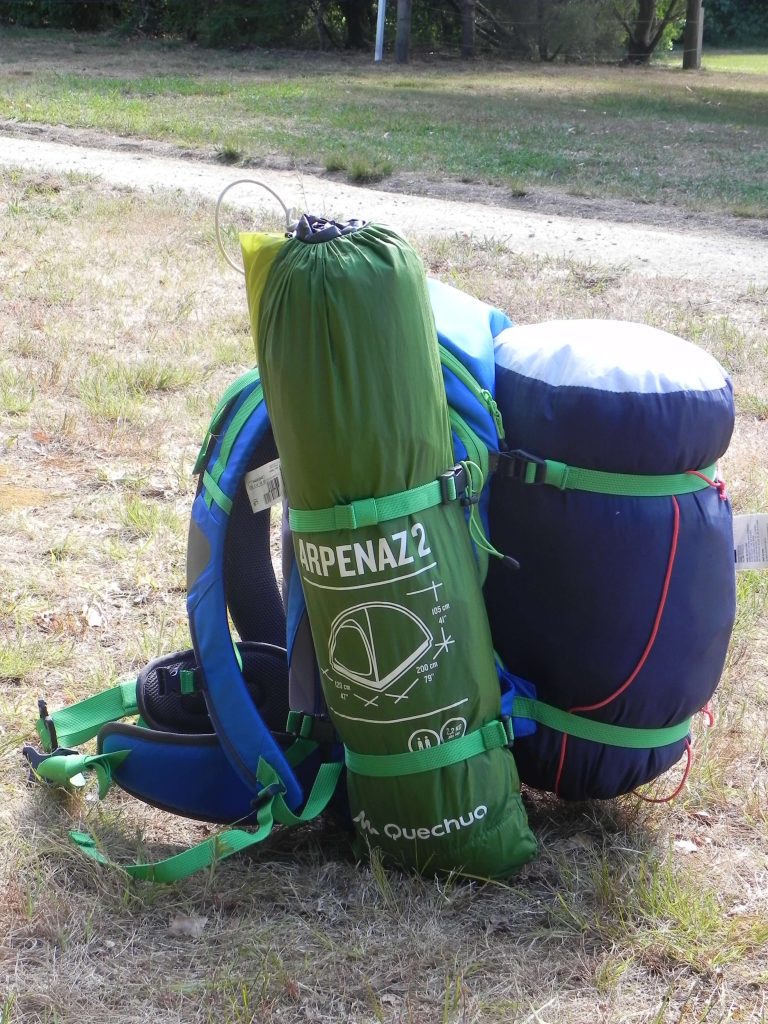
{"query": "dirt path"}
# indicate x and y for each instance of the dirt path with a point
(696, 250)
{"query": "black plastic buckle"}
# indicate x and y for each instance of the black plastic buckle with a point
(35, 758)
(513, 465)
(267, 793)
(453, 484)
(318, 730)
(48, 723)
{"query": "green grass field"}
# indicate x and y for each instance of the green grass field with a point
(649, 135)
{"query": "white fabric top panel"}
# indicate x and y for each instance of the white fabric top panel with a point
(608, 355)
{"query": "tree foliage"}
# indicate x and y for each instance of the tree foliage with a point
(531, 29)
(736, 22)
(649, 24)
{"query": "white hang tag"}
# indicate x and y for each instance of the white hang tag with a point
(750, 541)
(265, 486)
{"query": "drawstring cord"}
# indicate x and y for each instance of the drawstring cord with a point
(475, 483)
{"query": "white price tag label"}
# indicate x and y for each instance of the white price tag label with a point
(265, 486)
(750, 541)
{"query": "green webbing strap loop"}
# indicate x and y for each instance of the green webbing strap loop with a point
(232, 392)
(625, 484)
(187, 681)
(216, 494)
(532, 470)
(598, 732)
(80, 722)
(217, 848)
(370, 511)
(63, 769)
(386, 766)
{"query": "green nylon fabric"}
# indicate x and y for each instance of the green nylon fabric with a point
(349, 362)
(599, 732)
(227, 843)
(80, 722)
(70, 769)
(572, 478)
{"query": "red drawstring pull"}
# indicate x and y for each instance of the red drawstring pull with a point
(679, 789)
(708, 714)
(718, 484)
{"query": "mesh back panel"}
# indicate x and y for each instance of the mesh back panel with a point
(253, 596)
(168, 711)
(266, 676)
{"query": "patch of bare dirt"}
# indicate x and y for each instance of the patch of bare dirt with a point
(695, 249)
(547, 201)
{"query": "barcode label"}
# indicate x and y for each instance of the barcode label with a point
(750, 541)
(264, 486)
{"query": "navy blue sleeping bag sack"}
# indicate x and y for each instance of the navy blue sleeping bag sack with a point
(623, 606)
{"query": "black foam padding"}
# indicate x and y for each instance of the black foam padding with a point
(164, 708)
(252, 594)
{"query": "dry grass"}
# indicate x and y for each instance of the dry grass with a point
(120, 326)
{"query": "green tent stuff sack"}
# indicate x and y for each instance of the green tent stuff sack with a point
(348, 355)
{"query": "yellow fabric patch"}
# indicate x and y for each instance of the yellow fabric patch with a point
(260, 250)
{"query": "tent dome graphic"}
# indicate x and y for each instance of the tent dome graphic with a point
(361, 647)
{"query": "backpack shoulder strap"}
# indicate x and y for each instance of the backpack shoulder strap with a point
(244, 736)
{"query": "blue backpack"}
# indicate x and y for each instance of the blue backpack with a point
(236, 732)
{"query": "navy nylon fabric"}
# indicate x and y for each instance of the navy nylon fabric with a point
(577, 616)
(253, 596)
(600, 429)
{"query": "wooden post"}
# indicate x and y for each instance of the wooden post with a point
(403, 31)
(692, 35)
(467, 29)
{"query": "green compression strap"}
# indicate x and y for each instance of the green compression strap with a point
(80, 722)
(61, 769)
(598, 732)
(369, 511)
(216, 494)
(232, 392)
(571, 478)
(211, 478)
(386, 766)
(217, 848)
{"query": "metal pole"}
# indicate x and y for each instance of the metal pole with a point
(381, 15)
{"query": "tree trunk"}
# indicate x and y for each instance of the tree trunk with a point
(357, 16)
(694, 17)
(467, 29)
(643, 28)
(403, 31)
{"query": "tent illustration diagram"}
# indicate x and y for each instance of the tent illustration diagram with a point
(361, 648)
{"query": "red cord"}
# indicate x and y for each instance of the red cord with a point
(678, 791)
(709, 714)
(649, 645)
(719, 485)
